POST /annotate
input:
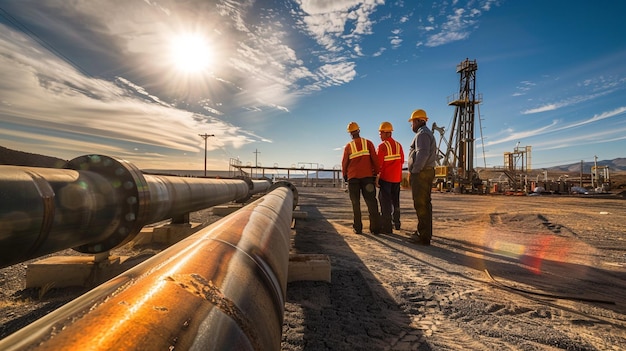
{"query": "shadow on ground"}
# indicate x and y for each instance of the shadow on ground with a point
(353, 312)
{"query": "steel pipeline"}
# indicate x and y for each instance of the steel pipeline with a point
(222, 288)
(96, 204)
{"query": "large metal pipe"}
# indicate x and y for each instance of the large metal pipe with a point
(222, 288)
(255, 186)
(96, 204)
(259, 186)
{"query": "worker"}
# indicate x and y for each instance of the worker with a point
(422, 158)
(391, 159)
(360, 167)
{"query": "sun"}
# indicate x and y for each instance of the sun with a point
(191, 53)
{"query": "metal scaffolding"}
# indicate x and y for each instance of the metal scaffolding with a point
(456, 164)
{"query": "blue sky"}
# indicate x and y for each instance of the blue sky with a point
(284, 78)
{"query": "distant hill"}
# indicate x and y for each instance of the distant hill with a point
(20, 158)
(187, 173)
(617, 164)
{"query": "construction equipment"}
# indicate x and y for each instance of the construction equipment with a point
(455, 166)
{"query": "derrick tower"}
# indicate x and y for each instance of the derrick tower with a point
(457, 163)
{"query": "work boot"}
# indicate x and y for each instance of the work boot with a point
(386, 230)
(418, 240)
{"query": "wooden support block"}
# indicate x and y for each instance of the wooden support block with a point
(309, 267)
(225, 210)
(144, 237)
(173, 233)
(167, 234)
(299, 214)
(64, 271)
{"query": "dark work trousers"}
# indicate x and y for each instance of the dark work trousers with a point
(421, 185)
(389, 199)
(367, 187)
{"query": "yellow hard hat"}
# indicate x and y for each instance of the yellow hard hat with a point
(352, 126)
(418, 114)
(385, 127)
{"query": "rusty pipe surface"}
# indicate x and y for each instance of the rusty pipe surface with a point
(222, 288)
(96, 204)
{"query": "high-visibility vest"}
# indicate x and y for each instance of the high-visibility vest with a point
(355, 152)
(391, 155)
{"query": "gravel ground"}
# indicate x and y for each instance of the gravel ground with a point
(502, 273)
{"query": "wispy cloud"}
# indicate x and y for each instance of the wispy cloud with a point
(598, 117)
(456, 25)
(338, 27)
(514, 136)
(523, 88)
(395, 38)
(86, 110)
(511, 135)
(339, 73)
(379, 52)
(563, 103)
(601, 137)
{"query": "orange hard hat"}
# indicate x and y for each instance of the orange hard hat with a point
(418, 114)
(352, 126)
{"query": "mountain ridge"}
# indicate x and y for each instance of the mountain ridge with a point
(21, 158)
(616, 164)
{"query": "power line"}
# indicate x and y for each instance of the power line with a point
(256, 162)
(256, 152)
(205, 136)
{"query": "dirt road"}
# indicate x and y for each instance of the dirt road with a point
(503, 273)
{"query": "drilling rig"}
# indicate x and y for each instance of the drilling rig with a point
(455, 164)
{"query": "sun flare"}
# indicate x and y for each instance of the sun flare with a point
(191, 53)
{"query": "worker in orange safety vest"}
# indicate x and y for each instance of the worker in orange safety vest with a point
(391, 159)
(360, 167)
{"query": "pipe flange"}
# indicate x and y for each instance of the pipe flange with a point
(132, 196)
(248, 182)
(289, 185)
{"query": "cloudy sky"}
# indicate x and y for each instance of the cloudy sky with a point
(277, 81)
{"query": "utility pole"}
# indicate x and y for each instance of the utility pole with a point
(256, 162)
(594, 174)
(205, 136)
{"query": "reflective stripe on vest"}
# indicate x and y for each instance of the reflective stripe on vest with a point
(391, 156)
(355, 152)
